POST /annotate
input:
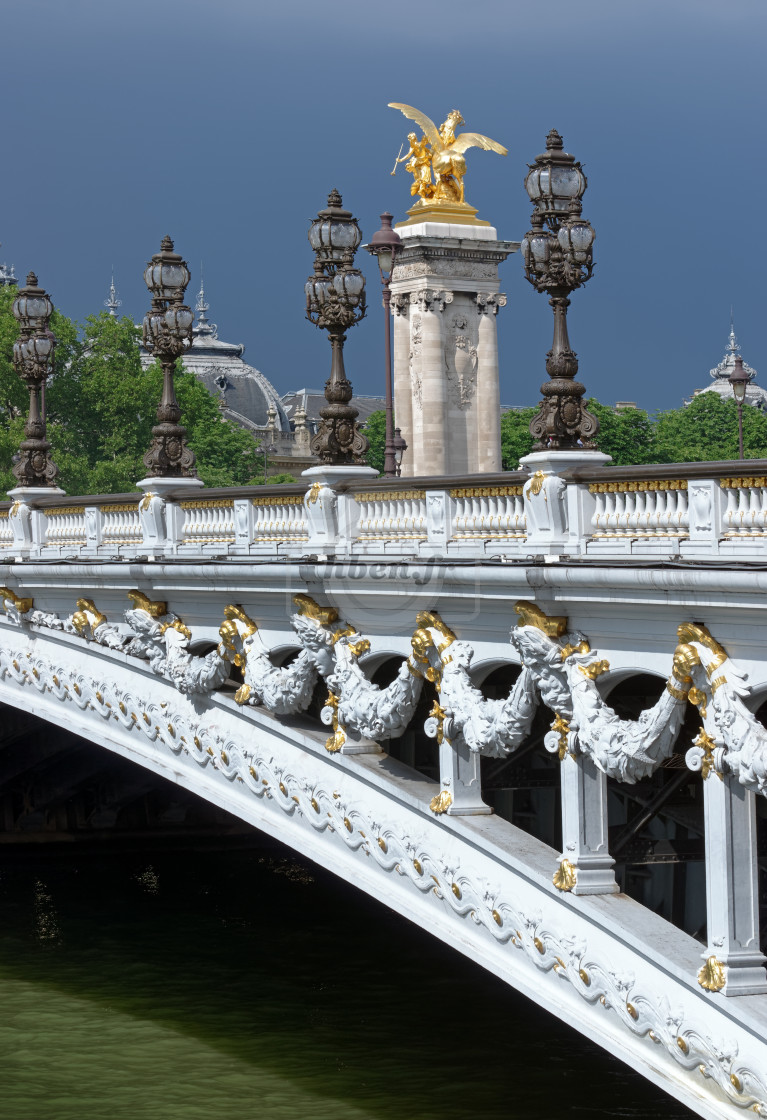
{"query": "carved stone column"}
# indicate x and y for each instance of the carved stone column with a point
(427, 370)
(446, 394)
(403, 409)
(734, 962)
(488, 448)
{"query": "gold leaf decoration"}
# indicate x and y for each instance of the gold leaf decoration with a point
(441, 802)
(712, 975)
(565, 876)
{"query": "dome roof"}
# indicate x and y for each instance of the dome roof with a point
(246, 396)
(720, 375)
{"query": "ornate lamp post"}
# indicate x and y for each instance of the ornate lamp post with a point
(739, 380)
(335, 301)
(32, 360)
(558, 259)
(384, 246)
(167, 334)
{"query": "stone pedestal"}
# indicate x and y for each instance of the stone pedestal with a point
(445, 300)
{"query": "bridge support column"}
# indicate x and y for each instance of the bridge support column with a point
(459, 775)
(584, 827)
(732, 884)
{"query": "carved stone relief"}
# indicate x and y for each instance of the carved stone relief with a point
(416, 341)
(461, 361)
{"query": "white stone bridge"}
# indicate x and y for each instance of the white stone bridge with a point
(525, 711)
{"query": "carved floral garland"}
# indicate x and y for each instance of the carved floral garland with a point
(327, 812)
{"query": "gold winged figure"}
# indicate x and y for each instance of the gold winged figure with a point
(442, 152)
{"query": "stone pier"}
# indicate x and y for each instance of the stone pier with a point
(445, 300)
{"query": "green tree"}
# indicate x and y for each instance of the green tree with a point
(707, 429)
(375, 430)
(516, 440)
(628, 436)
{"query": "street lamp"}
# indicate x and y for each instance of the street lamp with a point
(168, 334)
(384, 246)
(739, 380)
(335, 301)
(33, 359)
(557, 254)
(400, 447)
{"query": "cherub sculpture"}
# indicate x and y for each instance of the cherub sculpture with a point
(445, 157)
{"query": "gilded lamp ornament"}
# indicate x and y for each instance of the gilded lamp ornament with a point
(558, 258)
(33, 361)
(335, 301)
(167, 333)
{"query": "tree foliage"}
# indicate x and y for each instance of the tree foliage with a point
(375, 430)
(516, 440)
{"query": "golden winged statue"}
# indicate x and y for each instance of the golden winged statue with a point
(442, 152)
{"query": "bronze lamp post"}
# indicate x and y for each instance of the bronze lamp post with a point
(33, 360)
(557, 253)
(739, 380)
(168, 334)
(335, 301)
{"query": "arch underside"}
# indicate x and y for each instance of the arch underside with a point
(606, 965)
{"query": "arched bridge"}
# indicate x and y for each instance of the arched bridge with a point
(525, 713)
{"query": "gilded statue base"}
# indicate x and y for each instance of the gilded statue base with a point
(451, 213)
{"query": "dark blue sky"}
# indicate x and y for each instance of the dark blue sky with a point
(225, 124)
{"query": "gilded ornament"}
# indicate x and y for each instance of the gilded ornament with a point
(585, 978)
(177, 624)
(632, 1011)
(683, 1046)
(80, 617)
(348, 825)
(314, 805)
(430, 619)
(565, 876)
(712, 976)
(595, 669)
(308, 608)
(708, 746)
(678, 694)
(692, 632)
(283, 788)
(697, 697)
(539, 945)
(536, 484)
(438, 714)
(142, 602)
(242, 694)
(441, 153)
(314, 493)
(21, 605)
(197, 742)
(456, 891)
(497, 918)
(554, 626)
(172, 730)
(563, 728)
(736, 1082)
(146, 501)
(383, 845)
(417, 866)
(570, 649)
(441, 802)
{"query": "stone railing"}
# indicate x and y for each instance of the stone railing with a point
(681, 510)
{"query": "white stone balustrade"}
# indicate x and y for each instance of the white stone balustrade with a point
(488, 513)
(651, 508)
(746, 512)
(65, 525)
(396, 515)
(207, 521)
(601, 511)
(279, 519)
(119, 523)
(6, 532)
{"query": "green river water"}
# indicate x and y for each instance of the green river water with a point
(249, 985)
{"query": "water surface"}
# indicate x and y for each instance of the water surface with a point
(249, 985)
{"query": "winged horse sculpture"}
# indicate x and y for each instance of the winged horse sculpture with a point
(440, 151)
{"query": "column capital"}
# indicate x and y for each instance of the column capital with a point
(431, 299)
(400, 303)
(489, 302)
